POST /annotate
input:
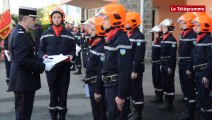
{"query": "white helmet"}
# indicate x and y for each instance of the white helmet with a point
(169, 23)
(155, 29)
(77, 25)
(70, 22)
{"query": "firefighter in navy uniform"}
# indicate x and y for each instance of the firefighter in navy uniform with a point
(168, 63)
(156, 62)
(137, 59)
(186, 45)
(25, 68)
(54, 41)
(85, 43)
(77, 59)
(199, 61)
(116, 68)
(93, 77)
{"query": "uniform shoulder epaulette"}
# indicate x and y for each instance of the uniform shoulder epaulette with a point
(20, 31)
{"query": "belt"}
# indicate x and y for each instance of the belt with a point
(110, 78)
(165, 59)
(90, 80)
(85, 48)
(184, 58)
(200, 67)
(156, 61)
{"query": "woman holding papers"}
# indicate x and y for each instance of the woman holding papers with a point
(55, 41)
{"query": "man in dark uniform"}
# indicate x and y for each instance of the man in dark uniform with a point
(137, 62)
(117, 65)
(156, 62)
(54, 41)
(186, 45)
(168, 63)
(94, 61)
(25, 68)
(199, 61)
(84, 42)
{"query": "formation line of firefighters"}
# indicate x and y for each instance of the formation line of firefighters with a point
(113, 51)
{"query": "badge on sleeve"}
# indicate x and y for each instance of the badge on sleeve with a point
(194, 42)
(102, 58)
(173, 45)
(138, 43)
(122, 51)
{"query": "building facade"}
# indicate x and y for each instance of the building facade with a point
(152, 12)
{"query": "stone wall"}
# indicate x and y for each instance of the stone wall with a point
(146, 20)
(92, 12)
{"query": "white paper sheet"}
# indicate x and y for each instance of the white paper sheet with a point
(56, 58)
(87, 90)
(7, 53)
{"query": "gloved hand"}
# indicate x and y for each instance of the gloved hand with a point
(49, 66)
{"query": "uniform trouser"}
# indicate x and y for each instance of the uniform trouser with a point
(203, 95)
(137, 94)
(58, 81)
(7, 66)
(111, 106)
(168, 84)
(78, 61)
(187, 86)
(157, 80)
(98, 108)
(84, 57)
(24, 105)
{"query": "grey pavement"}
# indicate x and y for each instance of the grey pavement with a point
(78, 105)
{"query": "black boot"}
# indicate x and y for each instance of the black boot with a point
(157, 99)
(73, 67)
(181, 100)
(78, 72)
(54, 114)
(166, 106)
(188, 115)
(62, 114)
(132, 113)
(137, 115)
(7, 81)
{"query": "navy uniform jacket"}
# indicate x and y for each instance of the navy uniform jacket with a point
(50, 44)
(6, 43)
(186, 45)
(94, 63)
(25, 67)
(117, 61)
(85, 40)
(138, 51)
(156, 50)
(209, 66)
(77, 38)
(201, 52)
(168, 51)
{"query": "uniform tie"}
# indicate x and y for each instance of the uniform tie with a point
(111, 34)
(200, 37)
(57, 30)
